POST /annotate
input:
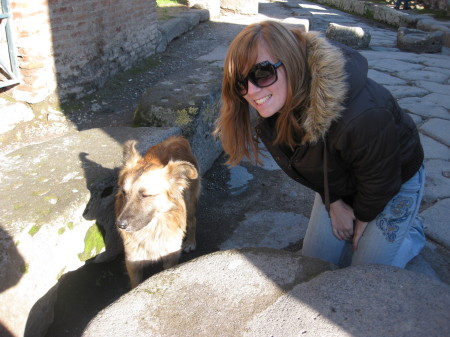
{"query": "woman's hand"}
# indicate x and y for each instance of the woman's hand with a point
(345, 225)
(342, 220)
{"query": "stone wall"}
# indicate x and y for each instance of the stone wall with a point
(73, 47)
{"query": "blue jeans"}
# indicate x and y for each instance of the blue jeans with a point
(393, 238)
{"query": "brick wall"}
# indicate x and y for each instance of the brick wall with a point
(73, 47)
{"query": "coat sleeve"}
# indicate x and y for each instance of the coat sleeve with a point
(370, 146)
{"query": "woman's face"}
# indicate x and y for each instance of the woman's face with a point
(269, 100)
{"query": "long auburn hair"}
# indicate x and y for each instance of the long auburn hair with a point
(233, 125)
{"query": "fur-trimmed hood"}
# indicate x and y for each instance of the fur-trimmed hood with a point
(335, 71)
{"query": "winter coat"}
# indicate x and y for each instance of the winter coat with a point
(354, 127)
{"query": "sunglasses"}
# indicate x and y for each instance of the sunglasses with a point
(262, 75)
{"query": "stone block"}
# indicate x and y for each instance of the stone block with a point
(418, 41)
(171, 29)
(213, 6)
(249, 7)
(431, 25)
(354, 37)
(188, 99)
(12, 114)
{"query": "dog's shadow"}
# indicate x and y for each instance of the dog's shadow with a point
(103, 278)
(102, 185)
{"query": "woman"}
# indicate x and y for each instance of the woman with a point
(334, 130)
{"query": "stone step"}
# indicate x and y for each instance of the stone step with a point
(267, 292)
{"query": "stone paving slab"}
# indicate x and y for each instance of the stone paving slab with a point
(438, 229)
(437, 186)
(439, 128)
(434, 149)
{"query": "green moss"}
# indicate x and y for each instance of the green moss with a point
(18, 206)
(8, 97)
(184, 115)
(39, 193)
(61, 231)
(34, 230)
(93, 243)
(61, 273)
(70, 225)
(24, 268)
(369, 14)
(210, 113)
(43, 212)
(51, 199)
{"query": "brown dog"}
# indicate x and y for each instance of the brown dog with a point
(156, 204)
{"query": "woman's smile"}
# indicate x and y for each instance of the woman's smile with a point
(263, 100)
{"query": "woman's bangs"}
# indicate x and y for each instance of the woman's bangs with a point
(246, 55)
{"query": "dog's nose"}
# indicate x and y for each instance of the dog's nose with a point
(122, 224)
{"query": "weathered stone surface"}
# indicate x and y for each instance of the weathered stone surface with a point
(299, 23)
(355, 37)
(56, 195)
(265, 292)
(211, 296)
(430, 25)
(213, 6)
(439, 231)
(12, 114)
(170, 29)
(383, 13)
(189, 100)
(437, 185)
(415, 40)
(359, 301)
(439, 128)
(249, 7)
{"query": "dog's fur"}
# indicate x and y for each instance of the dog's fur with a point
(156, 204)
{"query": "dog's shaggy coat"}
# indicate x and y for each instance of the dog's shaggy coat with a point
(156, 204)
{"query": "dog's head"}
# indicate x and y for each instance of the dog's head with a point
(148, 189)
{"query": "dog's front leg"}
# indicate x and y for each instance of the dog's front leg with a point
(189, 242)
(171, 259)
(135, 272)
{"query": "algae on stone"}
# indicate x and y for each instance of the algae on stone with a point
(93, 243)
(34, 230)
(184, 115)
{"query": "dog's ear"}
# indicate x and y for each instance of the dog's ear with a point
(181, 171)
(130, 155)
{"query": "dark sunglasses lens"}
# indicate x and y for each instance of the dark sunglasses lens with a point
(263, 75)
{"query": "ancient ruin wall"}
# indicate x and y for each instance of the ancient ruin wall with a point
(73, 47)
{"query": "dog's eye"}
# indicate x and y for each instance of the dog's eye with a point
(145, 194)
